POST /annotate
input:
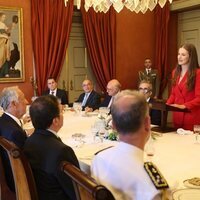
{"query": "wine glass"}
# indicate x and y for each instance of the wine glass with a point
(101, 134)
(150, 149)
(78, 138)
(196, 130)
(77, 106)
(104, 111)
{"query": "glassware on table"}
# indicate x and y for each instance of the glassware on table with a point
(78, 138)
(150, 149)
(196, 130)
(101, 134)
(94, 130)
(104, 111)
(77, 106)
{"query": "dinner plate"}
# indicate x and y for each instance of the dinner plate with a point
(188, 184)
(186, 194)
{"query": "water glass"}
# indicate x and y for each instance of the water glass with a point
(77, 106)
(104, 111)
(150, 149)
(196, 130)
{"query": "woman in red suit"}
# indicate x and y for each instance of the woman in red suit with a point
(186, 88)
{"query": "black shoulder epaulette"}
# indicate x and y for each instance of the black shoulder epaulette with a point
(155, 175)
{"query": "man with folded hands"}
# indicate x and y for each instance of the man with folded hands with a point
(45, 150)
(121, 168)
(90, 99)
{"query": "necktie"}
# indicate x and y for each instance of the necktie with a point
(85, 99)
(52, 93)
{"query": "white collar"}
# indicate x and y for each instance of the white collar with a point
(14, 118)
(55, 91)
(52, 131)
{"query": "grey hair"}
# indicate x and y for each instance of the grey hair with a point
(130, 117)
(8, 95)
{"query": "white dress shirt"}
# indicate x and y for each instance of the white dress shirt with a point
(54, 92)
(121, 170)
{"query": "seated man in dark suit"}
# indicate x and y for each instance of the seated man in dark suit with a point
(45, 150)
(13, 102)
(90, 99)
(53, 90)
(145, 87)
(113, 87)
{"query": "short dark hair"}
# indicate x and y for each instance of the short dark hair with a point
(51, 77)
(129, 118)
(43, 110)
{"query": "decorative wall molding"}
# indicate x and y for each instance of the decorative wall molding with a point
(184, 4)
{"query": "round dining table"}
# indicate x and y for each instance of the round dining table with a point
(176, 156)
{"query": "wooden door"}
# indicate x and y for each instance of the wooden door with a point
(189, 28)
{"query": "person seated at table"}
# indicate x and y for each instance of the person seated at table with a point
(13, 102)
(145, 87)
(150, 74)
(90, 99)
(121, 168)
(113, 87)
(45, 150)
(54, 90)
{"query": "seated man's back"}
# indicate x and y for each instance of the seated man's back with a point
(45, 150)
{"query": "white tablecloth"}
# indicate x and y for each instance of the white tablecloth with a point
(176, 156)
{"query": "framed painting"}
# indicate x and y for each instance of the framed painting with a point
(11, 45)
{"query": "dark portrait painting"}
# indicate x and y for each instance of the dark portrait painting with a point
(11, 47)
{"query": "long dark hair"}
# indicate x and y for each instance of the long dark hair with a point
(193, 65)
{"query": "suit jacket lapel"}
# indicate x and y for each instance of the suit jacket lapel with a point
(89, 98)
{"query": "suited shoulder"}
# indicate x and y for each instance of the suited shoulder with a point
(46, 92)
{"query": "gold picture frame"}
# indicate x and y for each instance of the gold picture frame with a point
(11, 45)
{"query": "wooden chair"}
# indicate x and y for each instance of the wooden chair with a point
(23, 178)
(85, 186)
(5, 192)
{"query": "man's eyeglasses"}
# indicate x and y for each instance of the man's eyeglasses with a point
(144, 90)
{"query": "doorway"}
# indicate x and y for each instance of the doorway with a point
(77, 66)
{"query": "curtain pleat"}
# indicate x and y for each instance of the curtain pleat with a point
(51, 24)
(162, 16)
(100, 33)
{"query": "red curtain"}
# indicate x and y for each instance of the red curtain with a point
(162, 16)
(100, 33)
(51, 24)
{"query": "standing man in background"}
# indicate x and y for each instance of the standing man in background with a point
(53, 90)
(151, 75)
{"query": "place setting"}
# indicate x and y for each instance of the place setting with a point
(191, 190)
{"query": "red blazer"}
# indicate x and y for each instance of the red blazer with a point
(191, 99)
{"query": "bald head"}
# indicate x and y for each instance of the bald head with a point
(113, 87)
(129, 111)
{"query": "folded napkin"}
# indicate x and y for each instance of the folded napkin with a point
(182, 131)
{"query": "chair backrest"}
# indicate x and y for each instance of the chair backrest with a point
(85, 186)
(5, 192)
(23, 178)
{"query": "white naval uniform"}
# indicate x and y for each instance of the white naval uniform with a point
(121, 170)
